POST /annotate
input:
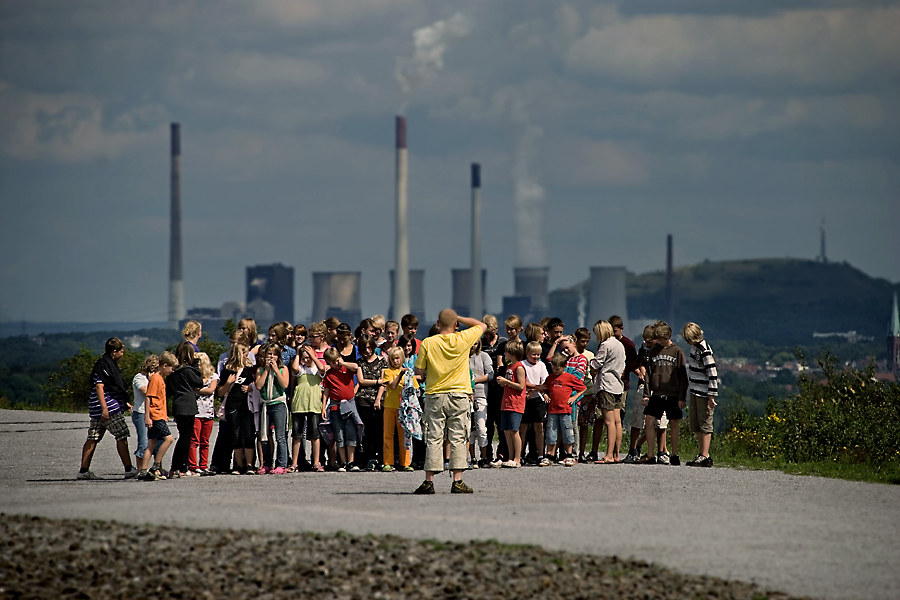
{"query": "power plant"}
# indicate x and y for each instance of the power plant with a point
(416, 296)
(337, 295)
(463, 291)
(607, 295)
(176, 277)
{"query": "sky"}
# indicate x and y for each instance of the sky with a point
(601, 127)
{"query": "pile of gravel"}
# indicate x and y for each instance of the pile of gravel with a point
(45, 558)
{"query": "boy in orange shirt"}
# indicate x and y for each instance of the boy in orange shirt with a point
(155, 418)
(563, 390)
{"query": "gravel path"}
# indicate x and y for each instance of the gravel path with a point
(43, 558)
(804, 536)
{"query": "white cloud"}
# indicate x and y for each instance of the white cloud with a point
(72, 127)
(793, 49)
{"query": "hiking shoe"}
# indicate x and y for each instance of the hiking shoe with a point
(569, 462)
(675, 461)
(427, 487)
(511, 464)
(372, 465)
(87, 476)
(545, 462)
(458, 487)
(406, 468)
(630, 458)
(700, 461)
(146, 476)
(355, 469)
(341, 470)
(388, 469)
(662, 459)
(131, 473)
(649, 460)
(591, 457)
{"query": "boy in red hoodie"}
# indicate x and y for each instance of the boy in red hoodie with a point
(563, 390)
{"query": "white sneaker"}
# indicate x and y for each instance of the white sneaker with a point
(545, 462)
(88, 476)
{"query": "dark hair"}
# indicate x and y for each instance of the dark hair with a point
(555, 322)
(184, 352)
(435, 329)
(270, 347)
(367, 341)
(405, 340)
(113, 345)
(409, 321)
(616, 322)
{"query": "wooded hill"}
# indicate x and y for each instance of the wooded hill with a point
(774, 301)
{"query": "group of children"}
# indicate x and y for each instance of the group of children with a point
(354, 399)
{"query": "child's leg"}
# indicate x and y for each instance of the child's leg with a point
(598, 434)
(145, 461)
(405, 458)
(609, 419)
(582, 438)
(514, 444)
(163, 447)
(650, 431)
(389, 417)
(637, 439)
(674, 426)
(617, 423)
(194, 445)
(205, 433)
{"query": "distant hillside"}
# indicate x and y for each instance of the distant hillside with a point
(775, 301)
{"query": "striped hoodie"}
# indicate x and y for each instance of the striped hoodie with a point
(702, 377)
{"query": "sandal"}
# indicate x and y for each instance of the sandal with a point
(291, 469)
(318, 468)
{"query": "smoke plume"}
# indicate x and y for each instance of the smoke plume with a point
(529, 195)
(428, 58)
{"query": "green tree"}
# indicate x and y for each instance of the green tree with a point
(69, 388)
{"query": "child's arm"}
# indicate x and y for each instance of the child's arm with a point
(261, 378)
(315, 360)
(378, 397)
(295, 364)
(225, 386)
(208, 390)
(283, 378)
(102, 397)
(352, 367)
(326, 396)
(147, 420)
(393, 383)
(520, 375)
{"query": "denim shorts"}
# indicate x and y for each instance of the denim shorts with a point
(510, 421)
(555, 424)
(344, 429)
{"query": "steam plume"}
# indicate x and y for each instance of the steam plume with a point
(428, 58)
(529, 195)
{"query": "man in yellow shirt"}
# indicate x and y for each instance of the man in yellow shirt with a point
(444, 360)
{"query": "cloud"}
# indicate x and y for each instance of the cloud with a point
(73, 127)
(794, 50)
(581, 162)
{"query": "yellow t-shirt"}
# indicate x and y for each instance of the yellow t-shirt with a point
(392, 396)
(445, 359)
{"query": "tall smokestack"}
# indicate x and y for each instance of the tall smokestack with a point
(476, 310)
(176, 279)
(670, 284)
(401, 260)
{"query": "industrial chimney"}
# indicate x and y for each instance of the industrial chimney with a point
(608, 295)
(533, 283)
(176, 279)
(670, 284)
(400, 301)
(476, 306)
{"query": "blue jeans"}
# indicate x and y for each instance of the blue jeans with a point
(141, 430)
(555, 425)
(277, 416)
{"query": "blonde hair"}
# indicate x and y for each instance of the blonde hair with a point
(662, 331)
(206, 368)
(392, 325)
(491, 322)
(378, 321)
(168, 359)
(150, 364)
(534, 332)
(394, 352)
(533, 347)
(513, 322)
(692, 333)
(318, 329)
(191, 328)
(603, 330)
(235, 360)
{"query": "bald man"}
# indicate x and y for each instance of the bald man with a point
(444, 361)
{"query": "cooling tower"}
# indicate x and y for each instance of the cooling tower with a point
(532, 282)
(176, 279)
(607, 295)
(462, 292)
(476, 299)
(416, 296)
(401, 260)
(337, 295)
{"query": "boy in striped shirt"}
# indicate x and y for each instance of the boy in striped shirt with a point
(703, 384)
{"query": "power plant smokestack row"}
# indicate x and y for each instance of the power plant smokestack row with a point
(400, 301)
(337, 295)
(176, 277)
(532, 282)
(607, 295)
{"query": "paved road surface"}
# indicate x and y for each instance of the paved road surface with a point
(802, 535)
